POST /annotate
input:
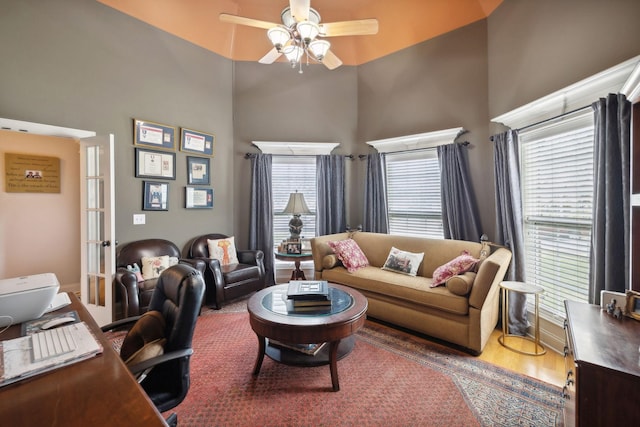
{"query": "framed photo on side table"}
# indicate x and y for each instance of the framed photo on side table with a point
(156, 196)
(197, 170)
(198, 198)
(193, 141)
(632, 306)
(155, 164)
(154, 135)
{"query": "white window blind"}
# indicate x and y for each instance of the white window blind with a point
(557, 192)
(413, 193)
(290, 174)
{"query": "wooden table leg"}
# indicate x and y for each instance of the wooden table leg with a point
(333, 364)
(297, 273)
(261, 349)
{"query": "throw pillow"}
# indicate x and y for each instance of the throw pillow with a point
(152, 267)
(149, 350)
(350, 254)
(330, 261)
(403, 262)
(135, 269)
(148, 328)
(224, 250)
(458, 265)
(461, 284)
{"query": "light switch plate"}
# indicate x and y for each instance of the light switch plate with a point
(139, 219)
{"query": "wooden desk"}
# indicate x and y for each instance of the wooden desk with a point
(96, 392)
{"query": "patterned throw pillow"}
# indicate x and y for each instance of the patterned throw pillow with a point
(403, 262)
(458, 265)
(153, 266)
(224, 250)
(350, 254)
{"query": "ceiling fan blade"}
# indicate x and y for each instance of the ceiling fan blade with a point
(300, 9)
(270, 57)
(241, 20)
(331, 61)
(359, 27)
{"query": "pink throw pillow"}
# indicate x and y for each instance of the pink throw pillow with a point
(458, 265)
(350, 254)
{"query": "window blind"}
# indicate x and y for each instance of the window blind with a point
(557, 192)
(413, 193)
(290, 174)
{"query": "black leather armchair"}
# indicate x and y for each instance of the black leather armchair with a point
(226, 282)
(177, 298)
(133, 295)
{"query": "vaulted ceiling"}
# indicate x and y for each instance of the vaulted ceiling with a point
(402, 23)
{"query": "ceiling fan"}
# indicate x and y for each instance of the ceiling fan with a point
(300, 34)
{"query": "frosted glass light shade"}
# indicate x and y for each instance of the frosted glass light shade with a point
(319, 48)
(308, 31)
(293, 54)
(278, 36)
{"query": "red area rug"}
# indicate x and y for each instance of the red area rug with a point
(389, 379)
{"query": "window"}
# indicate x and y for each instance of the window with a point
(290, 174)
(413, 193)
(557, 193)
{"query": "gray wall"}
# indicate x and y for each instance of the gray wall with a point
(80, 64)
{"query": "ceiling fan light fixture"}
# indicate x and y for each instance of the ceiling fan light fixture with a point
(308, 31)
(293, 54)
(279, 36)
(319, 48)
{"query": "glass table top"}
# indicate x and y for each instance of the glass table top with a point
(277, 302)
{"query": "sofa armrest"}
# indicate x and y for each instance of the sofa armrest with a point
(125, 284)
(198, 264)
(252, 257)
(320, 248)
(491, 273)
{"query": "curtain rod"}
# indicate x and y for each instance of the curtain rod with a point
(252, 155)
(548, 120)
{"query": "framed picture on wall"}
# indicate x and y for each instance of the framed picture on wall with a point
(154, 135)
(198, 198)
(156, 196)
(155, 164)
(197, 170)
(193, 141)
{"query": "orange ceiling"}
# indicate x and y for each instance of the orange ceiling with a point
(402, 23)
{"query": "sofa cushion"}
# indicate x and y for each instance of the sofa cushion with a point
(224, 250)
(350, 254)
(415, 290)
(458, 265)
(235, 273)
(403, 262)
(461, 284)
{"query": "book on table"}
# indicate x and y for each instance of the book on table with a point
(308, 290)
(310, 349)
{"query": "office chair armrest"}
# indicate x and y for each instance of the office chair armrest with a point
(119, 324)
(163, 358)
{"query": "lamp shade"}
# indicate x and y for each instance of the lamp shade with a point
(293, 54)
(319, 48)
(296, 205)
(307, 30)
(278, 36)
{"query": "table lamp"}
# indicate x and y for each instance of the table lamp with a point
(296, 207)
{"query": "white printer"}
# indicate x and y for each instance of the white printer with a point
(27, 297)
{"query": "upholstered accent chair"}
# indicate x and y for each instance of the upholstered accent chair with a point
(133, 291)
(158, 345)
(228, 281)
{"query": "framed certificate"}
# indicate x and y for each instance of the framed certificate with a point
(156, 196)
(154, 135)
(193, 141)
(198, 198)
(197, 170)
(155, 164)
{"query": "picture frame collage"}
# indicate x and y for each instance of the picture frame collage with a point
(155, 159)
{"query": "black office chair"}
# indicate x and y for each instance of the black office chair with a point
(157, 348)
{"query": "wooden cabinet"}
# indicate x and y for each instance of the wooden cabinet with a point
(603, 368)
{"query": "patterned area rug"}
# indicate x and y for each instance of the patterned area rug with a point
(391, 378)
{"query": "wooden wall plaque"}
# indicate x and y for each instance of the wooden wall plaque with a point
(26, 173)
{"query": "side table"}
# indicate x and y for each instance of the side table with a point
(296, 274)
(523, 288)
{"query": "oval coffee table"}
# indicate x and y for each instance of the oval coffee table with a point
(270, 318)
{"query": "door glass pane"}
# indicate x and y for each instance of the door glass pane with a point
(93, 161)
(95, 193)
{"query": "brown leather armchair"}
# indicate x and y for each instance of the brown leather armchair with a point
(226, 282)
(133, 295)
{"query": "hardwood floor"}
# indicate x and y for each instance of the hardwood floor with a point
(548, 367)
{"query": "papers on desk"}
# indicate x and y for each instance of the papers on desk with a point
(17, 362)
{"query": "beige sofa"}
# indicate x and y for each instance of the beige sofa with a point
(409, 301)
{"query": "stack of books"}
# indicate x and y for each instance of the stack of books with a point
(307, 296)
